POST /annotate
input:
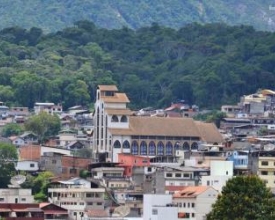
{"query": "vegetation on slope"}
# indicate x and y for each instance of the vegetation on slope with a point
(207, 65)
(52, 15)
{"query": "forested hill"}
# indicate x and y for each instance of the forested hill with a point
(205, 65)
(53, 15)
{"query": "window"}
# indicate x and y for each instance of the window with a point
(32, 165)
(143, 148)
(160, 148)
(89, 195)
(178, 175)
(126, 145)
(264, 163)
(186, 175)
(117, 144)
(99, 203)
(193, 215)
(169, 148)
(169, 175)
(114, 118)
(90, 203)
(123, 119)
(193, 205)
(264, 173)
(2, 199)
(53, 161)
(152, 148)
(185, 146)
(134, 148)
(72, 171)
(23, 199)
(154, 211)
(149, 169)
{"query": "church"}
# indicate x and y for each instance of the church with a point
(118, 130)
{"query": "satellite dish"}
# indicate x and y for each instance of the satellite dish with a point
(122, 211)
(17, 180)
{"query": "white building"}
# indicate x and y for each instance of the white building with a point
(195, 202)
(27, 165)
(117, 130)
(75, 196)
(16, 195)
(159, 207)
(48, 107)
(220, 172)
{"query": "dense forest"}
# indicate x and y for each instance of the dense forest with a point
(207, 65)
(52, 15)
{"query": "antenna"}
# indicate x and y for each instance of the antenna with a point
(16, 181)
(122, 211)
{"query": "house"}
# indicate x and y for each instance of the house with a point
(48, 107)
(220, 172)
(266, 167)
(168, 175)
(14, 211)
(76, 197)
(65, 137)
(195, 202)
(16, 196)
(52, 211)
(118, 131)
(241, 162)
(63, 166)
(27, 165)
(159, 207)
(129, 161)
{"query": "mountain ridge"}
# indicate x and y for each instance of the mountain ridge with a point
(54, 15)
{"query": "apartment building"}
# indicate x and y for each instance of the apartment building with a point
(195, 202)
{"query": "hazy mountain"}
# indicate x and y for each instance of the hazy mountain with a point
(52, 15)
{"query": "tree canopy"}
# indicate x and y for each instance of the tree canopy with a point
(242, 198)
(206, 65)
(44, 125)
(8, 157)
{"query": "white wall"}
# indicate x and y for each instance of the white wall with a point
(158, 202)
(217, 182)
(221, 168)
(16, 195)
(27, 165)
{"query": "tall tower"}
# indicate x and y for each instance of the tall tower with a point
(108, 106)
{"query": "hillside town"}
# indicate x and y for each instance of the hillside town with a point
(138, 164)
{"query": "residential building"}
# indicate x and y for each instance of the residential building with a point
(266, 168)
(159, 207)
(76, 197)
(27, 165)
(16, 195)
(48, 107)
(220, 172)
(52, 211)
(195, 202)
(17, 211)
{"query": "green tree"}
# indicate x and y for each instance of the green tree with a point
(39, 185)
(243, 198)
(12, 129)
(8, 154)
(44, 125)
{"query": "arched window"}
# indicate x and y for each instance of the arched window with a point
(126, 145)
(114, 118)
(152, 148)
(186, 146)
(160, 148)
(117, 144)
(123, 119)
(143, 148)
(176, 146)
(134, 148)
(169, 148)
(194, 146)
